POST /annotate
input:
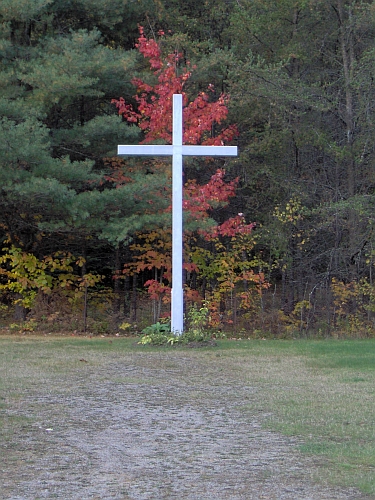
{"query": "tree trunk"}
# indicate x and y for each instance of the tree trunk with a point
(134, 298)
(117, 282)
(20, 311)
(348, 62)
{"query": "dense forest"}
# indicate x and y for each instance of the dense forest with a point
(278, 241)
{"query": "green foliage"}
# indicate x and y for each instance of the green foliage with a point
(157, 334)
(198, 318)
(157, 328)
(160, 333)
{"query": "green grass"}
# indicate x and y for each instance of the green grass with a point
(321, 391)
(324, 392)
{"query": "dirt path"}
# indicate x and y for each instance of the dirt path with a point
(150, 426)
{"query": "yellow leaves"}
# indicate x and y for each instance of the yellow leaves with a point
(234, 272)
(353, 302)
(343, 293)
(291, 213)
(27, 274)
(88, 280)
(125, 326)
(80, 261)
(291, 217)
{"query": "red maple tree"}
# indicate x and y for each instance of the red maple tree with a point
(154, 102)
(152, 250)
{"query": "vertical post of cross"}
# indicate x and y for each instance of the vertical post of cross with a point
(177, 309)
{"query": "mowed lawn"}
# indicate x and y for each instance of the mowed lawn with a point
(322, 391)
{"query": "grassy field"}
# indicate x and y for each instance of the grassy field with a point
(321, 391)
(324, 392)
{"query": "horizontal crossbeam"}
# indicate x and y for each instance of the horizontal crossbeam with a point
(153, 150)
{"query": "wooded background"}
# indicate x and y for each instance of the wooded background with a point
(300, 79)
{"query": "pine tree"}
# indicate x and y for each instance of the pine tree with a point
(57, 77)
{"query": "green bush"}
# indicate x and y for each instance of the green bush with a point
(160, 334)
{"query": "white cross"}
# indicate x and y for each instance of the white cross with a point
(177, 151)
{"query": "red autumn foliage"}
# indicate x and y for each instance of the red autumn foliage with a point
(154, 103)
(198, 200)
(232, 227)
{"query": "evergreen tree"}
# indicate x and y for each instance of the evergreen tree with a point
(61, 63)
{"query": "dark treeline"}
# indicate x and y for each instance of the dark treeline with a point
(300, 74)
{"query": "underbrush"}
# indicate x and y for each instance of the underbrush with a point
(97, 315)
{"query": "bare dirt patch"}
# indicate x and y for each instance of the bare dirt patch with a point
(169, 424)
